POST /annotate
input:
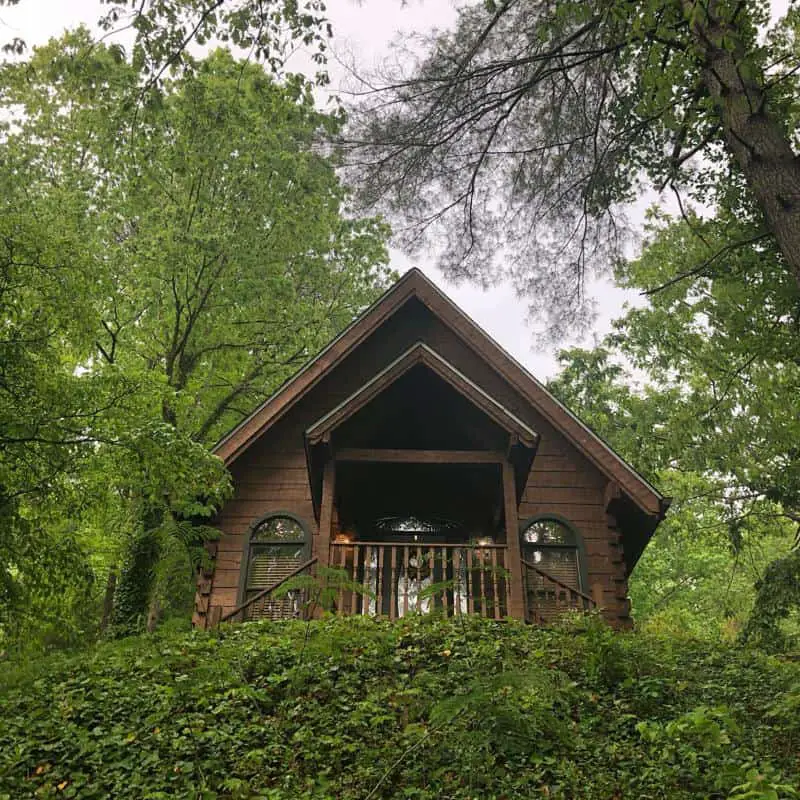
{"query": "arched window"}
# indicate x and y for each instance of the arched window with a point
(554, 547)
(278, 545)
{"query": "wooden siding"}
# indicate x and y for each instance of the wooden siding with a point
(271, 474)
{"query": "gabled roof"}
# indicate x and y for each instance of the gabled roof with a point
(420, 353)
(415, 284)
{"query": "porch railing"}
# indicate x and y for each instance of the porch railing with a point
(393, 580)
(546, 597)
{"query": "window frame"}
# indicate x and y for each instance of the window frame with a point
(577, 543)
(249, 544)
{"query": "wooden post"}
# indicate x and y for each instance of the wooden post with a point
(326, 513)
(597, 595)
(516, 605)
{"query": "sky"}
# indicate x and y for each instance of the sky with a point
(364, 31)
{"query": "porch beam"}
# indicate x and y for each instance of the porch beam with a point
(326, 513)
(421, 456)
(516, 604)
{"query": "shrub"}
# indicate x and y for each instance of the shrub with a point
(421, 708)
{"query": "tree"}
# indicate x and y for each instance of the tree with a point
(519, 134)
(719, 539)
(165, 30)
(716, 422)
(204, 251)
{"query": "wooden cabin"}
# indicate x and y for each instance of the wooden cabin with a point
(434, 472)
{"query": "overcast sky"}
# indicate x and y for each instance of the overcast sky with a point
(366, 30)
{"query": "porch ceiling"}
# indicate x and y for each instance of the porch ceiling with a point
(469, 495)
(420, 406)
(422, 354)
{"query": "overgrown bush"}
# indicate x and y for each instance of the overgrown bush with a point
(421, 708)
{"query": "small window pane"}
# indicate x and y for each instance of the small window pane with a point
(414, 525)
(278, 529)
(548, 532)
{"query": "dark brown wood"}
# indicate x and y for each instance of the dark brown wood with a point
(419, 578)
(214, 617)
(516, 607)
(612, 494)
(417, 354)
(270, 472)
(393, 591)
(326, 512)
(470, 581)
(405, 585)
(443, 557)
(483, 584)
(495, 593)
(420, 456)
(354, 596)
(598, 594)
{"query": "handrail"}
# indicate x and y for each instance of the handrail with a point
(269, 589)
(558, 582)
(421, 545)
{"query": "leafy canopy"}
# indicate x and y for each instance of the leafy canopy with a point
(164, 271)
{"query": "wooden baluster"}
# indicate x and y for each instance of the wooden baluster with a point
(379, 581)
(354, 595)
(482, 565)
(405, 579)
(339, 558)
(369, 555)
(495, 595)
(419, 578)
(393, 588)
(457, 560)
(470, 583)
(443, 557)
(523, 575)
(433, 578)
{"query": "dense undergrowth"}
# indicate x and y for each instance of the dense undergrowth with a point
(422, 708)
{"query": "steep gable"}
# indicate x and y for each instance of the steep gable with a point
(623, 479)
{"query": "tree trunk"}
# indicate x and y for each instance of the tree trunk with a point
(762, 149)
(138, 575)
(153, 614)
(108, 599)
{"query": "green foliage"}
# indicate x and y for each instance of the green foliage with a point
(712, 416)
(136, 580)
(168, 256)
(778, 596)
(422, 708)
(515, 136)
(165, 30)
(322, 589)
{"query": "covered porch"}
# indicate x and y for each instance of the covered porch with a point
(418, 477)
